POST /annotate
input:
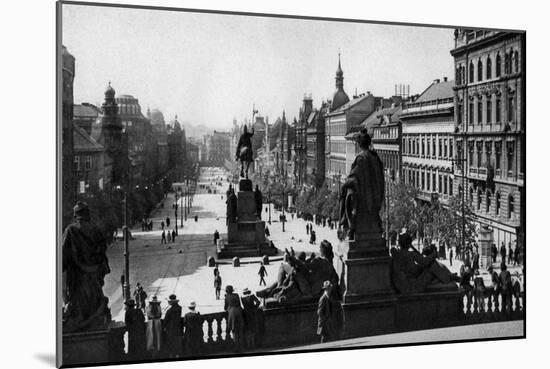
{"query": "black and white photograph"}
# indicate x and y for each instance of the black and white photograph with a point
(238, 184)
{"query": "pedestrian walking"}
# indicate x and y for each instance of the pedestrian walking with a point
(479, 291)
(516, 255)
(451, 256)
(262, 273)
(135, 325)
(162, 225)
(235, 319)
(167, 222)
(217, 285)
(505, 279)
(510, 254)
(153, 330)
(494, 252)
(250, 307)
(169, 236)
(502, 253)
(193, 336)
(312, 237)
(163, 237)
(216, 237)
(173, 236)
(173, 328)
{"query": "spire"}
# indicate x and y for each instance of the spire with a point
(339, 76)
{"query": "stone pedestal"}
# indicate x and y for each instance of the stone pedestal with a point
(94, 347)
(246, 237)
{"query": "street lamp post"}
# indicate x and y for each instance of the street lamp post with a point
(269, 207)
(176, 210)
(126, 251)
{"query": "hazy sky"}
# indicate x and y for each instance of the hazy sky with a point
(209, 68)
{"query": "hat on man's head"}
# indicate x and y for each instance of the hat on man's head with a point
(81, 209)
(154, 300)
(246, 291)
(130, 302)
(192, 305)
(172, 299)
(326, 284)
(229, 288)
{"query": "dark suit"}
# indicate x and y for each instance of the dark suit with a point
(250, 307)
(173, 330)
(194, 334)
(135, 324)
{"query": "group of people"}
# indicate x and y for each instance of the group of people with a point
(311, 232)
(508, 256)
(146, 224)
(151, 337)
(168, 236)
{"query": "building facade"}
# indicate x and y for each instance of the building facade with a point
(89, 164)
(427, 142)
(305, 118)
(490, 129)
(386, 139)
(68, 183)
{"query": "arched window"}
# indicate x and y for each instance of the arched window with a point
(479, 70)
(507, 62)
(471, 79)
(489, 68)
(498, 109)
(498, 63)
(489, 109)
(463, 74)
(471, 197)
(497, 203)
(457, 75)
(516, 61)
(479, 110)
(488, 201)
(510, 206)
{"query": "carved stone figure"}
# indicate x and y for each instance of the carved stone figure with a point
(362, 194)
(259, 200)
(244, 151)
(231, 206)
(84, 266)
(413, 272)
(300, 280)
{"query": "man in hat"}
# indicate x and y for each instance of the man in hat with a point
(250, 308)
(154, 327)
(235, 319)
(173, 327)
(194, 334)
(84, 266)
(324, 323)
(135, 324)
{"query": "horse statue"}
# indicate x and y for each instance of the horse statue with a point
(244, 151)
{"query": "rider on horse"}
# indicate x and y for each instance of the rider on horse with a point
(244, 150)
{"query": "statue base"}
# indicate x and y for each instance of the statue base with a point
(94, 347)
(246, 237)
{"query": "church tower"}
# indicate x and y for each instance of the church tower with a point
(340, 97)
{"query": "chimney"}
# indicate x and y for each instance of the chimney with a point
(444, 79)
(437, 80)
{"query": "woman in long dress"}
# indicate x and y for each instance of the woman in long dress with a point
(235, 318)
(154, 327)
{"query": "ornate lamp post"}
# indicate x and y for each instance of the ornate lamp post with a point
(126, 287)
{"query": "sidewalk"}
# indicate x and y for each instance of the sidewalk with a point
(466, 332)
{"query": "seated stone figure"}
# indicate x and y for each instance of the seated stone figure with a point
(413, 272)
(301, 280)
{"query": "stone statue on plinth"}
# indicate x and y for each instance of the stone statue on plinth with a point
(259, 202)
(231, 206)
(362, 194)
(244, 151)
(84, 266)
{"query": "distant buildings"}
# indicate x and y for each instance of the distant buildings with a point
(427, 141)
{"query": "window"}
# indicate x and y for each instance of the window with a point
(511, 108)
(488, 150)
(488, 201)
(498, 63)
(510, 154)
(510, 206)
(463, 74)
(433, 147)
(479, 110)
(459, 112)
(478, 199)
(516, 62)
(497, 204)
(450, 187)
(450, 149)
(433, 182)
(88, 162)
(428, 144)
(498, 109)
(498, 152)
(488, 68)
(471, 79)
(471, 197)
(440, 151)
(471, 112)
(479, 151)
(471, 152)
(445, 185)
(508, 63)
(440, 187)
(77, 163)
(428, 176)
(422, 181)
(445, 148)
(479, 70)
(488, 109)
(423, 152)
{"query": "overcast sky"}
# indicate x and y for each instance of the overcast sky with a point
(209, 68)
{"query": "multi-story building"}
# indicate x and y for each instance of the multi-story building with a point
(161, 136)
(89, 164)
(386, 138)
(85, 115)
(305, 117)
(220, 144)
(315, 148)
(176, 148)
(427, 142)
(490, 129)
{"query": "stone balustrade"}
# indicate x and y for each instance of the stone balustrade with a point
(491, 305)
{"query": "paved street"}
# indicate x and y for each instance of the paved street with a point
(466, 332)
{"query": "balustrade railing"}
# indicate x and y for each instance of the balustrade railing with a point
(488, 304)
